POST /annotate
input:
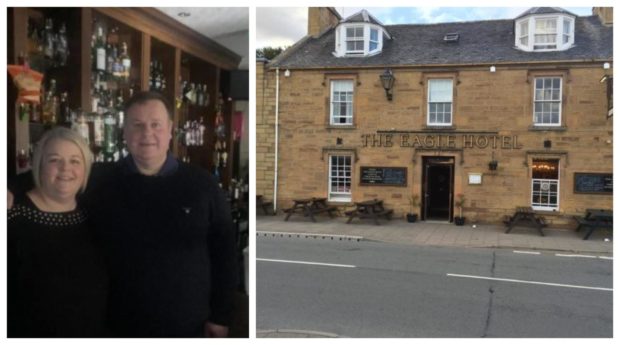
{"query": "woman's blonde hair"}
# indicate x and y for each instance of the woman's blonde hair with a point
(63, 134)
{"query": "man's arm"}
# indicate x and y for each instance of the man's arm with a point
(222, 250)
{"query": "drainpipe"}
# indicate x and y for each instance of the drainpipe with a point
(275, 172)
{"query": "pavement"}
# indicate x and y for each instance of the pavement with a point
(429, 233)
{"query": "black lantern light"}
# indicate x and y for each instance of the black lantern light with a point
(493, 162)
(387, 80)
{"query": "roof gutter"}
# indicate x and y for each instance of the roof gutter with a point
(276, 127)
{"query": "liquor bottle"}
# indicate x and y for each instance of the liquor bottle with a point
(200, 96)
(118, 71)
(110, 57)
(62, 47)
(206, 95)
(48, 49)
(120, 113)
(82, 127)
(65, 112)
(100, 49)
(109, 121)
(185, 91)
(201, 129)
(151, 77)
(163, 86)
(126, 62)
(98, 129)
(48, 104)
(192, 93)
(157, 77)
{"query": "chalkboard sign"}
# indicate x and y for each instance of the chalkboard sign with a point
(593, 183)
(383, 176)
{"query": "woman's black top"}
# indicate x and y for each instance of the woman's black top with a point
(57, 283)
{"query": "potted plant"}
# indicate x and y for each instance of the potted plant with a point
(460, 202)
(414, 203)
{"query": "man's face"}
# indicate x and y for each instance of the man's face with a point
(148, 132)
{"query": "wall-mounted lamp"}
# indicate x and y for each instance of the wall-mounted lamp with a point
(387, 80)
(492, 69)
(606, 65)
(493, 163)
(287, 73)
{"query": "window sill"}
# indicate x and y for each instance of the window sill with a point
(535, 128)
(449, 128)
(346, 127)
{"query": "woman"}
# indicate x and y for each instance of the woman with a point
(56, 277)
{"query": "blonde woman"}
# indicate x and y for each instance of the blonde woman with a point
(57, 283)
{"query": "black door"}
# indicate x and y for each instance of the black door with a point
(438, 183)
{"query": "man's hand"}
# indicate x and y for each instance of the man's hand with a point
(213, 330)
(9, 200)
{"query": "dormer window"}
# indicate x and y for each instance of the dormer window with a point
(548, 32)
(360, 35)
(355, 40)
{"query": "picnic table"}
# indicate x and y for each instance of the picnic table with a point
(595, 219)
(369, 209)
(310, 207)
(524, 215)
(264, 204)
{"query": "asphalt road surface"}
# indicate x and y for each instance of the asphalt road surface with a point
(371, 289)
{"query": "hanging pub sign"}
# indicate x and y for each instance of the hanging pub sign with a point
(594, 183)
(383, 176)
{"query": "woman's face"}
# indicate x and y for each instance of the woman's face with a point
(62, 169)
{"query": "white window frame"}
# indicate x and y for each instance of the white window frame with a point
(428, 103)
(543, 101)
(332, 101)
(342, 39)
(563, 22)
(548, 206)
(545, 32)
(370, 40)
(355, 38)
(344, 178)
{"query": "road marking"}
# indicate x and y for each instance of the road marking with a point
(530, 282)
(306, 263)
(606, 257)
(524, 252)
(576, 256)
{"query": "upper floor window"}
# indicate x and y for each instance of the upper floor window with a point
(439, 102)
(547, 101)
(341, 105)
(545, 33)
(374, 40)
(359, 39)
(355, 40)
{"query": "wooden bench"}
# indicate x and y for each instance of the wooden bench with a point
(371, 209)
(265, 205)
(310, 207)
(524, 215)
(594, 219)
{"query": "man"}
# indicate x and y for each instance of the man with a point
(166, 231)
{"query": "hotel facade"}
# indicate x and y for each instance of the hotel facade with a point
(500, 113)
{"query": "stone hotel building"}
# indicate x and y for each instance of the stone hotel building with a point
(506, 113)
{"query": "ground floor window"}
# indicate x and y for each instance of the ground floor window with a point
(339, 178)
(545, 184)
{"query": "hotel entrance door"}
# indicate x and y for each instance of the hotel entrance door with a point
(438, 186)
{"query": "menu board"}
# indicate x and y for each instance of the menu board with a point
(383, 176)
(594, 183)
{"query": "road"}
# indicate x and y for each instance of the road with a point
(372, 289)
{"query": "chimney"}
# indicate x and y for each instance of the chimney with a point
(320, 19)
(605, 14)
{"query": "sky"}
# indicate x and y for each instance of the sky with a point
(283, 26)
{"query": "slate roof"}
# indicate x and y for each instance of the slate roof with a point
(362, 17)
(544, 10)
(480, 42)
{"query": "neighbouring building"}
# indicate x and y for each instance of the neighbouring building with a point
(506, 113)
